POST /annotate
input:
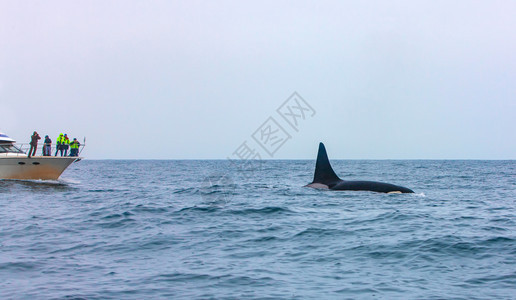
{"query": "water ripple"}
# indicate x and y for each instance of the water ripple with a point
(157, 230)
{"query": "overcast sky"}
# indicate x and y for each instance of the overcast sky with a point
(204, 79)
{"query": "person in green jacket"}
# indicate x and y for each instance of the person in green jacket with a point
(65, 144)
(74, 147)
(59, 143)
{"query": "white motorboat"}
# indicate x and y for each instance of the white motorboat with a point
(15, 164)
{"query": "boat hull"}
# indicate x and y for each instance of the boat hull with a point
(36, 167)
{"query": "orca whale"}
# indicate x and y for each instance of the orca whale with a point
(325, 178)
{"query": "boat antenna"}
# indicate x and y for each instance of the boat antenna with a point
(83, 144)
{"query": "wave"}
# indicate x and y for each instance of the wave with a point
(203, 209)
(149, 209)
(508, 280)
(221, 279)
(35, 185)
(264, 239)
(118, 223)
(103, 191)
(18, 266)
(269, 210)
(117, 216)
(500, 245)
(454, 246)
(320, 232)
(189, 190)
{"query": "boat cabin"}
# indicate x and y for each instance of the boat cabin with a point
(7, 145)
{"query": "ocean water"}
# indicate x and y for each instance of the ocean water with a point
(205, 230)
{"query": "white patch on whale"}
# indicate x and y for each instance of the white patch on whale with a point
(317, 186)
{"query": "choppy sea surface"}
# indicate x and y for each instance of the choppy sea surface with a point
(205, 230)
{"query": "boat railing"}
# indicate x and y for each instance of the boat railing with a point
(25, 147)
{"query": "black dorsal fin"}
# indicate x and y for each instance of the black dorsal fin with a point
(323, 170)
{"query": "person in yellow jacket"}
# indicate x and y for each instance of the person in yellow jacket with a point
(74, 147)
(66, 144)
(59, 144)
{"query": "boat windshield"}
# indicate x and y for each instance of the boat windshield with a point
(9, 148)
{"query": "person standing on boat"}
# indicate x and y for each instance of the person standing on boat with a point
(59, 144)
(47, 146)
(34, 143)
(74, 147)
(66, 144)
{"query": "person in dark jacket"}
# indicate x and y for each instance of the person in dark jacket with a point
(47, 146)
(34, 143)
